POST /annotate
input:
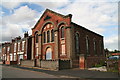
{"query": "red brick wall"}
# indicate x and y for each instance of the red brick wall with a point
(83, 33)
(91, 58)
(92, 61)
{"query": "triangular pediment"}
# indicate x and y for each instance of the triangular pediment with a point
(47, 17)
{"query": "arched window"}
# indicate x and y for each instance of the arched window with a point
(48, 54)
(101, 47)
(52, 35)
(87, 45)
(77, 43)
(94, 43)
(48, 36)
(36, 38)
(62, 32)
(44, 35)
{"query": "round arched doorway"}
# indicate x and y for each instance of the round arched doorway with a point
(48, 54)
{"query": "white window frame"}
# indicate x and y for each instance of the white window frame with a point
(15, 57)
(15, 47)
(23, 45)
(8, 49)
(36, 51)
(5, 57)
(11, 57)
(18, 46)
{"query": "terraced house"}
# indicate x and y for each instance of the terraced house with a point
(16, 50)
(58, 43)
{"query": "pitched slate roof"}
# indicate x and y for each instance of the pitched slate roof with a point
(85, 28)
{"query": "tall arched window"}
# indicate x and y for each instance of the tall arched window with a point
(48, 36)
(36, 38)
(94, 42)
(87, 45)
(101, 47)
(77, 43)
(62, 32)
(52, 35)
(44, 35)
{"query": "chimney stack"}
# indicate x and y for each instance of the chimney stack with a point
(26, 34)
(13, 40)
(18, 38)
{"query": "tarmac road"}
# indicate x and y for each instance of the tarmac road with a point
(13, 73)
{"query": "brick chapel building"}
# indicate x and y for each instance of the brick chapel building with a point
(56, 37)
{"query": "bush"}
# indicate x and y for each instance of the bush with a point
(100, 64)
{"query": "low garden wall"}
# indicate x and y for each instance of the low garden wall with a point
(55, 64)
(49, 64)
(27, 63)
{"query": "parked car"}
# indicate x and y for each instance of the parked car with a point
(113, 57)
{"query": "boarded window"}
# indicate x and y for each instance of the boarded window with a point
(48, 54)
(36, 51)
(63, 49)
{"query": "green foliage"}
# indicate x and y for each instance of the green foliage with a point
(100, 64)
(115, 51)
(114, 67)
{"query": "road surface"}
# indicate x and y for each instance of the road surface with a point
(11, 72)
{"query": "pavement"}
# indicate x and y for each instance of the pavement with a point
(76, 73)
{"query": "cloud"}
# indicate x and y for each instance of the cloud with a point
(22, 19)
(11, 30)
(10, 5)
(99, 17)
(52, 4)
(92, 15)
(21, 15)
(111, 42)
